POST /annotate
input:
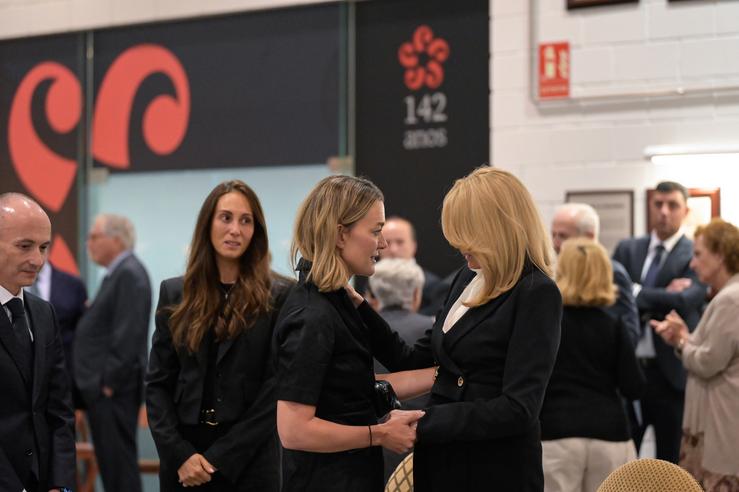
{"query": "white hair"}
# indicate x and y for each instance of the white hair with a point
(584, 216)
(120, 227)
(395, 281)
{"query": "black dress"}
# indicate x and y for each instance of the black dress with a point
(325, 352)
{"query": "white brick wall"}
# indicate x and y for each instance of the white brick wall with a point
(582, 144)
(691, 19)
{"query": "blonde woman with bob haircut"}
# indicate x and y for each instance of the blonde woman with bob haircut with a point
(495, 341)
(595, 367)
(326, 338)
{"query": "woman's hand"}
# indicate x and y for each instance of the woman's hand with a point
(195, 471)
(410, 384)
(398, 433)
(353, 295)
(672, 329)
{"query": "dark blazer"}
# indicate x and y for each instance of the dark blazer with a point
(245, 396)
(430, 284)
(596, 366)
(111, 339)
(481, 428)
(36, 428)
(68, 296)
(655, 302)
(625, 306)
(409, 325)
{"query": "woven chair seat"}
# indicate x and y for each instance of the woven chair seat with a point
(649, 475)
(402, 478)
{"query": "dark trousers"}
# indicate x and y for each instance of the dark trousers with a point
(661, 407)
(113, 423)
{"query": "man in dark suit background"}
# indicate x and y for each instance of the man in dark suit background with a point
(659, 266)
(36, 420)
(581, 220)
(401, 243)
(397, 285)
(110, 352)
(68, 295)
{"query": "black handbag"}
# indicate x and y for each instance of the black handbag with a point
(385, 398)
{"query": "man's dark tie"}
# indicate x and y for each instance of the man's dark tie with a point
(22, 334)
(651, 277)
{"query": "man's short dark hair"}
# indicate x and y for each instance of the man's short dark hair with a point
(670, 186)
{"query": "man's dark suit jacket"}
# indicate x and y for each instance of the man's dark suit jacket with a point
(248, 453)
(409, 325)
(429, 304)
(625, 307)
(111, 339)
(36, 428)
(68, 296)
(655, 302)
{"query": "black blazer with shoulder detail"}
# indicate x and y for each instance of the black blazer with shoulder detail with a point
(36, 426)
(245, 394)
(481, 428)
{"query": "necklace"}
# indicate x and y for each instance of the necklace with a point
(226, 289)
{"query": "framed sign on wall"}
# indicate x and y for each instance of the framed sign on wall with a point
(577, 4)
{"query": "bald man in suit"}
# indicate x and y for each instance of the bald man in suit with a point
(36, 418)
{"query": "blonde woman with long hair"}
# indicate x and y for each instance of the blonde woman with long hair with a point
(326, 337)
(495, 341)
(596, 367)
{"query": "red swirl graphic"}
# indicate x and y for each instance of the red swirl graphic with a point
(165, 119)
(61, 257)
(46, 175)
(436, 51)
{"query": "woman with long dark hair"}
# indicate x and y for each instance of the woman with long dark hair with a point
(209, 388)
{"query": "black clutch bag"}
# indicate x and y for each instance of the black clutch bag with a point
(385, 398)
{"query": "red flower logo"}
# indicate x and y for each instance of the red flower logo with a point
(422, 58)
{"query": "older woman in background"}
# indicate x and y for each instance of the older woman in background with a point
(583, 423)
(711, 356)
